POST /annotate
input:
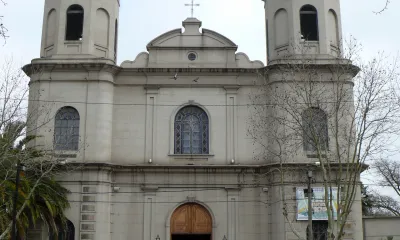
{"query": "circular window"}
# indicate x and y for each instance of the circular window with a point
(192, 56)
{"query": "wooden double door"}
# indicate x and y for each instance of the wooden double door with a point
(191, 222)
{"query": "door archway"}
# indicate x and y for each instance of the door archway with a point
(192, 222)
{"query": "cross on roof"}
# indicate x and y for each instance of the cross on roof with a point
(192, 5)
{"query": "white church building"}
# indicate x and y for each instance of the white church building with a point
(164, 138)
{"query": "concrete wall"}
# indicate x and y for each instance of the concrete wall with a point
(381, 228)
(126, 123)
(130, 136)
(140, 202)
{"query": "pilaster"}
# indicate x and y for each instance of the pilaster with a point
(232, 212)
(231, 123)
(151, 123)
(148, 216)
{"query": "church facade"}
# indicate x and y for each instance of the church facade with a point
(164, 138)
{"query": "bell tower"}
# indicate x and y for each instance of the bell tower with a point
(298, 27)
(77, 29)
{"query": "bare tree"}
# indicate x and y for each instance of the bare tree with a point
(336, 114)
(389, 170)
(376, 204)
(17, 128)
(383, 205)
(13, 92)
(384, 8)
(3, 29)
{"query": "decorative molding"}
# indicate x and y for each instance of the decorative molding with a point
(88, 208)
(233, 213)
(189, 70)
(152, 89)
(148, 216)
(141, 60)
(151, 125)
(217, 35)
(38, 66)
(174, 32)
(246, 61)
(231, 89)
(88, 166)
(191, 198)
(231, 123)
(233, 190)
(226, 42)
(149, 189)
(190, 156)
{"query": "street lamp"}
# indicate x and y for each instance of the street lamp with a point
(20, 168)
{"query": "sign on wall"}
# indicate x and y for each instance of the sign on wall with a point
(318, 204)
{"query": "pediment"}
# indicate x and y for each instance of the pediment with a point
(176, 48)
(191, 38)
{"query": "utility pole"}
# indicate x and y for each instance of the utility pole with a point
(310, 211)
(15, 200)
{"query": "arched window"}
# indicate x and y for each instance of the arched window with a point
(320, 230)
(315, 130)
(191, 131)
(74, 27)
(309, 23)
(64, 233)
(66, 129)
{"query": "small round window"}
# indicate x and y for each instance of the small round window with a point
(192, 56)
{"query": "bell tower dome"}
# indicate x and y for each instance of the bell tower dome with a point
(80, 29)
(298, 27)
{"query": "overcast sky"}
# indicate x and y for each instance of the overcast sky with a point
(240, 20)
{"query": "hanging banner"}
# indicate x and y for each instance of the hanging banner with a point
(318, 204)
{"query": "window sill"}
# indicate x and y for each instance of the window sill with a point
(65, 154)
(191, 156)
(311, 154)
(73, 41)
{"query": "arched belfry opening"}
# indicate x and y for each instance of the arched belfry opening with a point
(309, 23)
(74, 29)
(191, 221)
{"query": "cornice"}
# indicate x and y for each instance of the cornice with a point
(39, 67)
(174, 32)
(231, 89)
(156, 71)
(149, 48)
(122, 167)
(345, 67)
